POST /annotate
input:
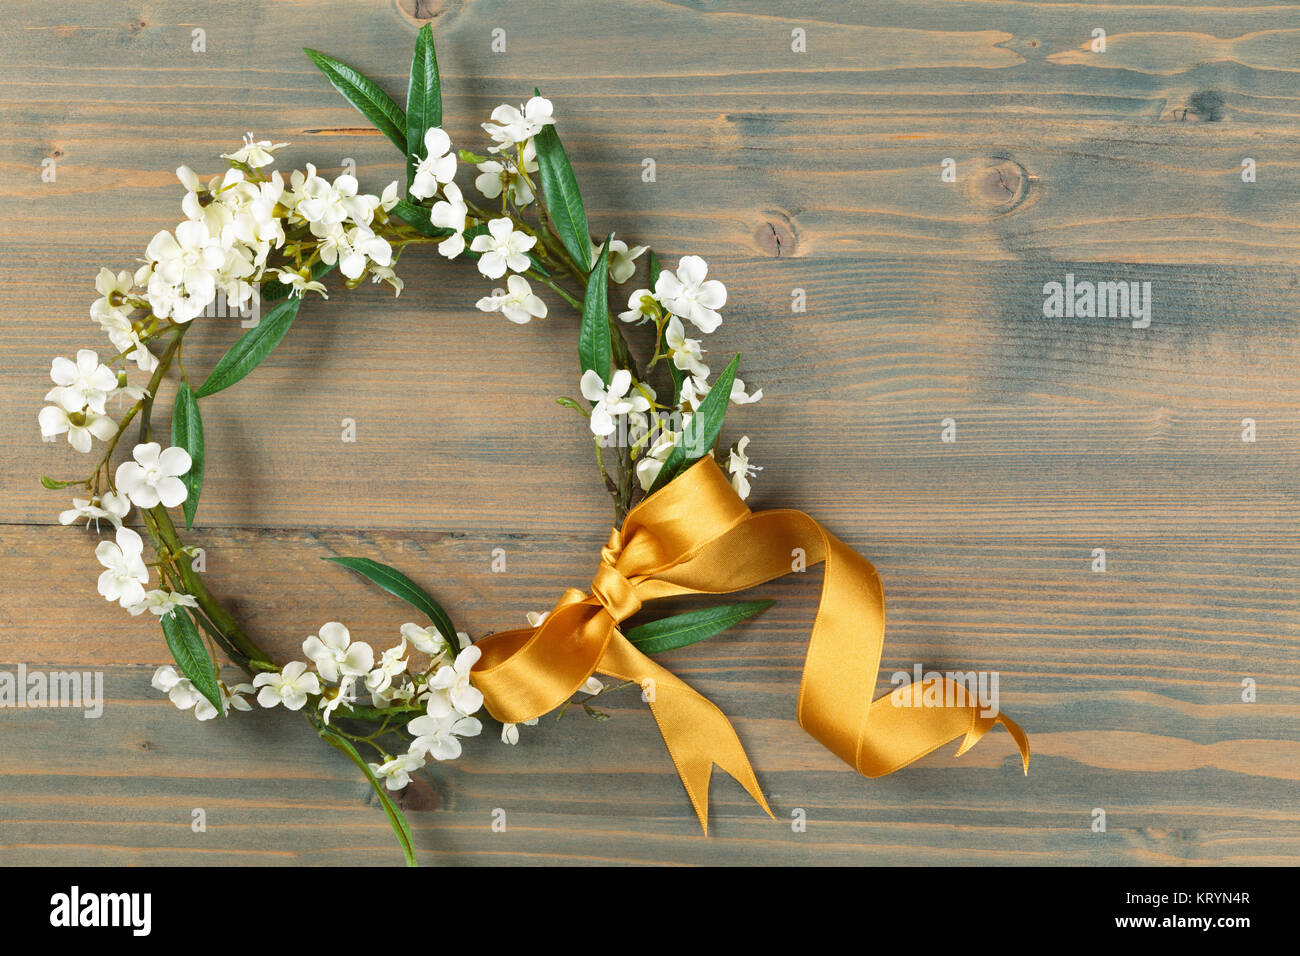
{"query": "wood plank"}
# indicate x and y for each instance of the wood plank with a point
(817, 171)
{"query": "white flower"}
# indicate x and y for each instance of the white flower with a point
(133, 392)
(510, 732)
(183, 282)
(181, 691)
(509, 126)
(451, 213)
(622, 260)
(687, 294)
(391, 663)
(437, 168)
(82, 384)
(517, 302)
(494, 175)
(123, 334)
(386, 274)
(126, 573)
(639, 310)
(535, 619)
(329, 204)
(402, 692)
(396, 773)
(251, 154)
(436, 732)
(352, 247)
(652, 462)
(154, 476)
(740, 468)
(332, 698)
(289, 686)
(695, 388)
(390, 197)
(335, 654)
(163, 602)
(299, 282)
(80, 426)
(110, 287)
(686, 353)
(426, 640)
(454, 678)
(111, 507)
(230, 696)
(609, 403)
(185, 695)
(503, 248)
(739, 396)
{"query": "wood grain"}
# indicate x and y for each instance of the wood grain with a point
(817, 171)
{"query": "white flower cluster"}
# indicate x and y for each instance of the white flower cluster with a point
(344, 669)
(153, 477)
(221, 249)
(684, 296)
(502, 249)
(231, 226)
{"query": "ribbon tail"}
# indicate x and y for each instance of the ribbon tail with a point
(697, 734)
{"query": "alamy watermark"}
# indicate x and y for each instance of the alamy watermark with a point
(951, 689)
(78, 689)
(1102, 300)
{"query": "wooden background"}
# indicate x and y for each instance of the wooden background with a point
(818, 171)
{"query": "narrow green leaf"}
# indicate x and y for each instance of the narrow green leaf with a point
(399, 585)
(187, 433)
(372, 102)
(594, 343)
(563, 199)
(655, 269)
(669, 633)
(699, 436)
(253, 346)
(395, 818)
(679, 378)
(417, 217)
(423, 98)
(191, 656)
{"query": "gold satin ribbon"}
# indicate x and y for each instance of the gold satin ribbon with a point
(696, 536)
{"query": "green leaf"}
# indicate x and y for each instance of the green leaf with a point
(395, 817)
(399, 585)
(563, 200)
(417, 217)
(699, 436)
(191, 656)
(655, 269)
(373, 103)
(187, 433)
(669, 633)
(594, 345)
(423, 99)
(253, 346)
(273, 290)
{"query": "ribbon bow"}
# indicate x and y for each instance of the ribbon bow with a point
(696, 536)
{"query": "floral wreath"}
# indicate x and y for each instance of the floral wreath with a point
(679, 522)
